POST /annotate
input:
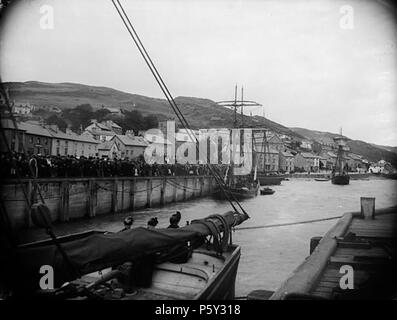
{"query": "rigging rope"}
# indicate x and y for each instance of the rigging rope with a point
(124, 17)
(287, 223)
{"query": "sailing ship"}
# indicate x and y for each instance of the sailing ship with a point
(265, 178)
(339, 173)
(239, 186)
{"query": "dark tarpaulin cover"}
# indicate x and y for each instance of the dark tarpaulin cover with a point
(98, 251)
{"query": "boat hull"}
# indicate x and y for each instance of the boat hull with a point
(266, 192)
(341, 180)
(269, 180)
(223, 286)
(237, 193)
(205, 276)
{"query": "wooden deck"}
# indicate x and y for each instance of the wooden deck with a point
(367, 245)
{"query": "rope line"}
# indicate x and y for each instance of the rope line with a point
(287, 224)
(180, 186)
(124, 17)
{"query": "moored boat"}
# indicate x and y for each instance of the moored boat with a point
(266, 191)
(343, 179)
(139, 263)
(339, 174)
(269, 180)
(238, 192)
(321, 179)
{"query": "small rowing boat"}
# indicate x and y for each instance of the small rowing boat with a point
(266, 191)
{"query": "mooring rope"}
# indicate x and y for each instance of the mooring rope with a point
(287, 224)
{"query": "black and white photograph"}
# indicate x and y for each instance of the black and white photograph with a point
(202, 156)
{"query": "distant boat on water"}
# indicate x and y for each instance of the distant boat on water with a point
(339, 174)
(267, 191)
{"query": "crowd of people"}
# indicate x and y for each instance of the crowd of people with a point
(14, 165)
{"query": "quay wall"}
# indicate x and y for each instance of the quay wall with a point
(74, 198)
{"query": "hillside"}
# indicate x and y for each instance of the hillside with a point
(370, 151)
(199, 112)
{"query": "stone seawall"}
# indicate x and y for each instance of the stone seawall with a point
(75, 198)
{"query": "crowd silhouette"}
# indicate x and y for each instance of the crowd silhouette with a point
(19, 165)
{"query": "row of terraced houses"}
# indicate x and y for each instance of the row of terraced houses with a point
(106, 139)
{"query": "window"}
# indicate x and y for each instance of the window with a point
(45, 141)
(31, 139)
(57, 142)
(38, 140)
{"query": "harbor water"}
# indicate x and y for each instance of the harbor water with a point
(269, 255)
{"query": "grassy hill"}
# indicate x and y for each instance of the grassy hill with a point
(370, 151)
(199, 112)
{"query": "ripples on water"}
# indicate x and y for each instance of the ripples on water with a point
(269, 255)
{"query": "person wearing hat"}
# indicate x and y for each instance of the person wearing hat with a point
(174, 221)
(152, 223)
(178, 216)
(127, 223)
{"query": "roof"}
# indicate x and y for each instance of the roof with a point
(308, 155)
(72, 136)
(34, 129)
(9, 124)
(113, 124)
(98, 125)
(132, 140)
(101, 132)
(286, 154)
(107, 145)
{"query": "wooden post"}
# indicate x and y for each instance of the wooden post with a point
(195, 186)
(211, 180)
(114, 196)
(367, 208)
(132, 194)
(122, 195)
(175, 198)
(149, 193)
(64, 203)
(28, 220)
(162, 191)
(92, 198)
(184, 188)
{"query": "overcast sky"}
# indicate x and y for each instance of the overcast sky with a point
(300, 59)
